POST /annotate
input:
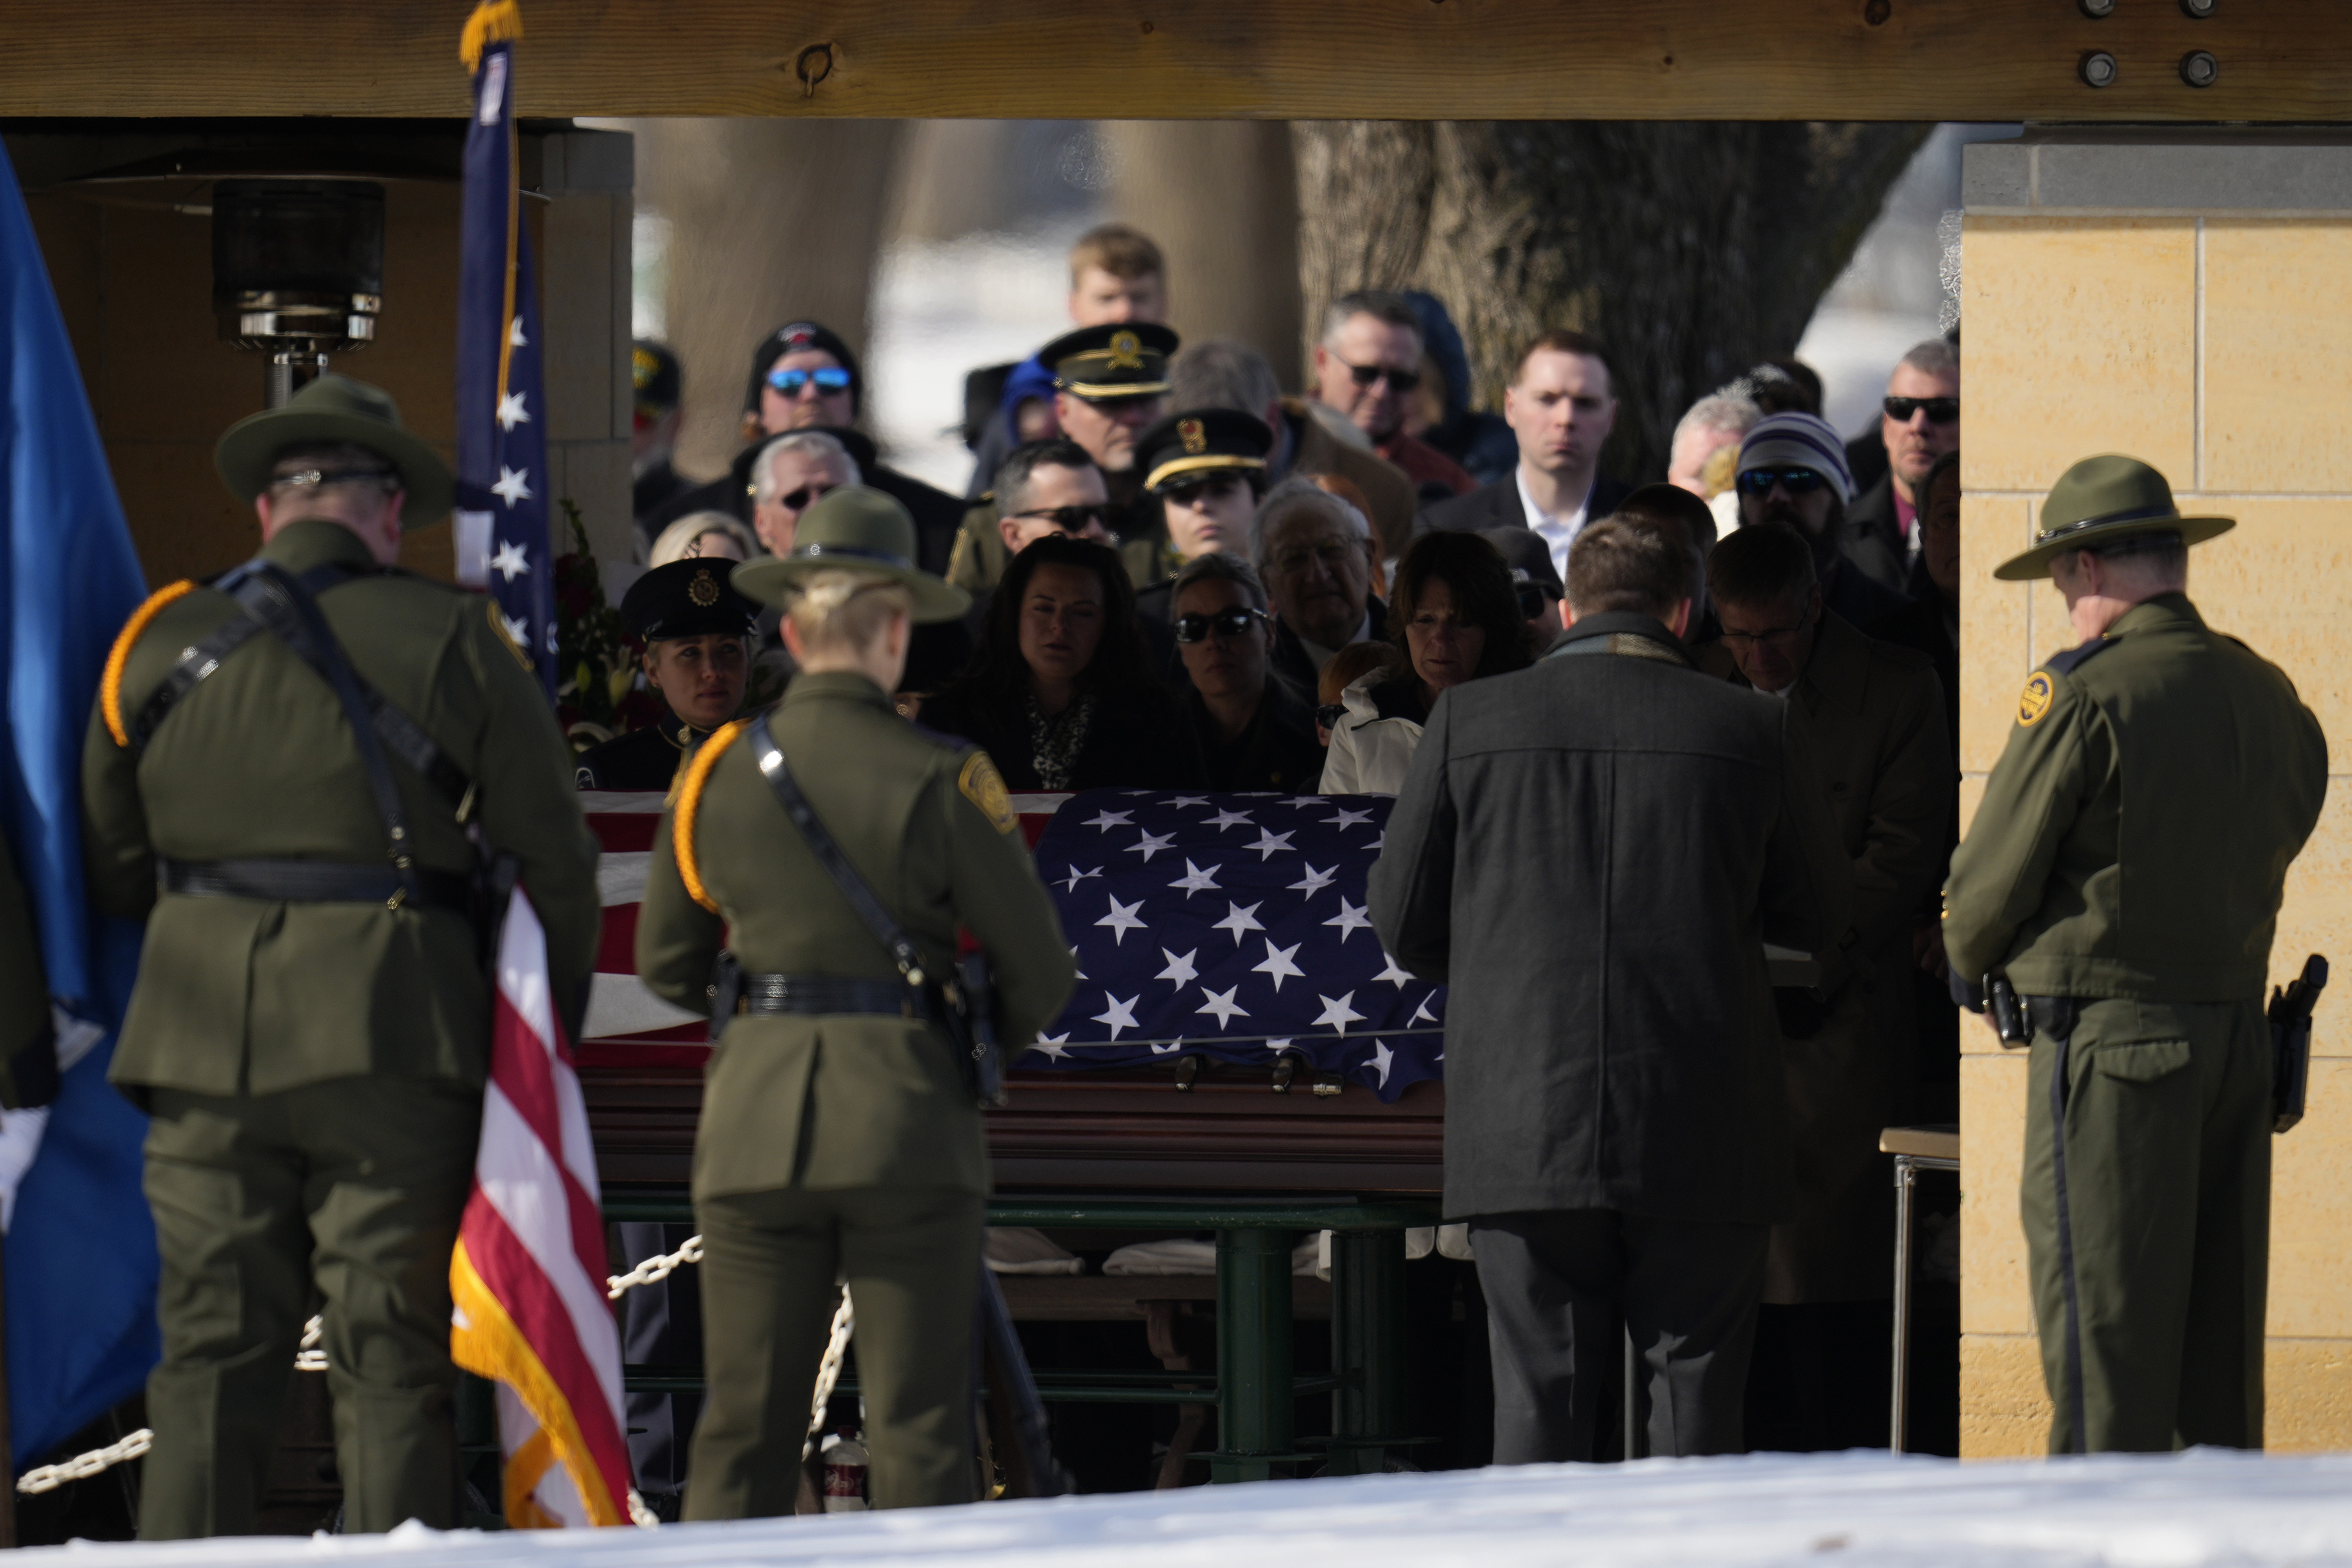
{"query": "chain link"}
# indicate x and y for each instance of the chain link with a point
(655, 1269)
(828, 1371)
(81, 1467)
(640, 1515)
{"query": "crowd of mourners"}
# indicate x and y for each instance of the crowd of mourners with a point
(1183, 577)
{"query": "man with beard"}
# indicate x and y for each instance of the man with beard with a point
(1919, 423)
(1793, 473)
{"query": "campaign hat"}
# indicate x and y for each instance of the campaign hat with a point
(333, 410)
(2100, 500)
(858, 528)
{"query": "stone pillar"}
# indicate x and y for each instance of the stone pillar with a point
(2178, 295)
(584, 297)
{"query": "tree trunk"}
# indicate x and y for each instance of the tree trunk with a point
(771, 221)
(1692, 249)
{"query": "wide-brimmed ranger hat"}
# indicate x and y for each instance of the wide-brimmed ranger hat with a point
(335, 410)
(855, 528)
(2100, 500)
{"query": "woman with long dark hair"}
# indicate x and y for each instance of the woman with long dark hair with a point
(1060, 693)
(1455, 611)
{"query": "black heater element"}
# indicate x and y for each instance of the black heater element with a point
(297, 272)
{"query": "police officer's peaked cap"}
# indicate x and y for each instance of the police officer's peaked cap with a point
(1211, 440)
(858, 528)
(333, 410)
(2100, 500)
(655, 382)
(1126, 359)
(691, 598)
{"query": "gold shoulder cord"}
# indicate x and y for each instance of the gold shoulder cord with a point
(110, 690)
(689, 797)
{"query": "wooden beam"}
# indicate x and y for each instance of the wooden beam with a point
(2281, 60)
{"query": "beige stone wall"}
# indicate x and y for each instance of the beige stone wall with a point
(2209, 339)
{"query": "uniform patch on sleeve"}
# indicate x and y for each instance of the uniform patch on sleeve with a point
(985, 787)
(2034, 700)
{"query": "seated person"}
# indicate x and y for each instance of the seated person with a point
(704, 536)
(1347, 666)
(1207, 467)
(1528, 556)
(698, 632)
(1456, 614)
(1060, 693)
(1255, 731)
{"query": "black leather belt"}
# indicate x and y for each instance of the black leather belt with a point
(819, 994)
(312, 882)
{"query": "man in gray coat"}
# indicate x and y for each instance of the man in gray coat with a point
(1592, 853)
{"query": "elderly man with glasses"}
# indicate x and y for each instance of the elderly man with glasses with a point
(1368, 367)
(1873, 715)
(1255, 729)
(1792, 472)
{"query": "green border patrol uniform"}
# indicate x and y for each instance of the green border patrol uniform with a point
(311, 1025)
(838, 1139)
(2125, 873)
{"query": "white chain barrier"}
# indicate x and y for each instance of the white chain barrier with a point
(655, 1269)
(81, 1467)
(828, 1371)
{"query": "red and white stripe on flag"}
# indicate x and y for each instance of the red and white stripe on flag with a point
(529, 1270)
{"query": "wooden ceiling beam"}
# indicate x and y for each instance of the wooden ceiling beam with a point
(2280, 60)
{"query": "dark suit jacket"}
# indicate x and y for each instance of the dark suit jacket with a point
(1873, 540)
(1293, 663)
(1498, 506)
(1138, 739)
(937, 514)
(1592, 853)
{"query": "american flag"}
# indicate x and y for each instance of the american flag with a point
(1234, 926)
(502, 475)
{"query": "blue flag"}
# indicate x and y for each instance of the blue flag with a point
(80, 1264)
(502, 476)
(1233, 926)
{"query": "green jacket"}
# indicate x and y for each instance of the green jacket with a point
(236, 995)
(845, 1101)
(24, 988)
(2135, 837)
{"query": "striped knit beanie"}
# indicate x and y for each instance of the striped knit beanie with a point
(1797, 441)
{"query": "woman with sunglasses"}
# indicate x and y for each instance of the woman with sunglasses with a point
(1060, 693)
(1255, 731)
(1455, 612)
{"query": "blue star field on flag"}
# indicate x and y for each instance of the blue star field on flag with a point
(502, 475)
(1233, 926)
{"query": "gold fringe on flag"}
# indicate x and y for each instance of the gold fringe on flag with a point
(493, 22)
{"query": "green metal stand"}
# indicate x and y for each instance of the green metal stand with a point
(1255, 1414)
(1366, 1348)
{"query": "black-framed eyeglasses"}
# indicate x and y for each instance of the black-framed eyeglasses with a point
(1796, 481)
(1773, 634)
(1227, 623)
(1533, 601)
(1071, 518)
(830, 378)
(318, 478)
(1330, 714)
(1940, 410)
(1190, 492)
(1398, 380)
(796, 500)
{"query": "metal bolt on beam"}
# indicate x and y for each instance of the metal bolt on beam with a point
(2097, 8)
(2098, 68)
(2199, 69)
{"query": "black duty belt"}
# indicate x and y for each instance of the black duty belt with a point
(315, 882)
(819, 993)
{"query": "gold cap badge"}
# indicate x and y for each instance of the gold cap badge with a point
(703, 590)
(1125, 351)
(1195, 439)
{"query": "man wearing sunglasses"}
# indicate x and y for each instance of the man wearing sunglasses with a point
(1792, 474)
(1255, 729)
(1368, 367)
(1919, 422)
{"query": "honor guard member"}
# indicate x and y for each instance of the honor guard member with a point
(838, 1138)
(293, 774)
(1207, 468)
(697, 633)
(2123, 877)
(1110, 382)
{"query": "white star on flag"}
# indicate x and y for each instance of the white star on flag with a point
(1339, 1014)
(1304, 800)
(1052, 1045)
(1150, 844)
(1350, 918)
(1108, 819)
(514, 333)
(511, 411)
(1239, 920)
(1393, 974)
(518, 629)
(1379, 840)
(1281, 1045)
(1118, 1014)
(1179, 970)
(1195, 881)
(1348, 818)
(1121, 920)
(1382, 1056)
(1315, 882)
(1423, 1015)
(1268, 842)
(1175, 1045)
(513, 486)
(1225, 819)
(511, 560)
(1222, 1005)
(1183, 800)
(1076, 877)
(1082, 974)
(1277, 963)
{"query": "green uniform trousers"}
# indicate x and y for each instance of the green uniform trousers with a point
(2168, 1184)
(769, 1260)
(356, 1184)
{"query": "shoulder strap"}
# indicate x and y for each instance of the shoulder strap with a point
(779, 775)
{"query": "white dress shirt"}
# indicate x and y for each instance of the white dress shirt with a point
(1558, 532)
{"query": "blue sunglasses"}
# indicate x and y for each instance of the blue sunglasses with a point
(790, 381)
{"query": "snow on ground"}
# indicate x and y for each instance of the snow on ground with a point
(2208, 1507)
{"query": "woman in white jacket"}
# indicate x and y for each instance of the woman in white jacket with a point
(1457, 612)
